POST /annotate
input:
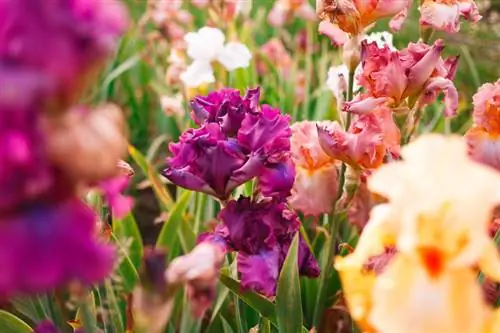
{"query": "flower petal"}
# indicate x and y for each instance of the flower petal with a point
(205, 44)
(260, 271)
(332, 31)
(198, 73)
(234, 55)
(436, 85)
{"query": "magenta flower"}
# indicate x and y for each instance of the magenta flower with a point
(261, 233)
(206, 160)
(75, 36)
(236, 142)
(119, 204)
(48, 244)
(225, 107)
(417, 72)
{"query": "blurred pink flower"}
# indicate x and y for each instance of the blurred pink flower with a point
(445, 14)
(275, 53)
(354, 16)
(284, 10)
(120, 205)
(199, 271)
(316, 182)
(417, 71)
(484, 138)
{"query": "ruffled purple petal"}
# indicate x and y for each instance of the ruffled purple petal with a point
(225, 107)
(220, 237)
(308, 266)
(267, 131)
(249, 225)
(259, 272)
(204, 160)
(277, 180)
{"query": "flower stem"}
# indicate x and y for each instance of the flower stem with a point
(343, 168)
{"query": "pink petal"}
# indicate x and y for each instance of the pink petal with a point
(423, 69)
(364, 105)
(397, 21)
(332, 31)
(440, 16)
(437, 85)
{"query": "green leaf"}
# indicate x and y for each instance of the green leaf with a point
(258, 302)
(225, 325)
(222, 293)
(168, 233)
(127, 270)
(288, 299)
(264, 326)
(11, 324)
(127, 229)
(161, 192)
(31, 307)
(118, 71)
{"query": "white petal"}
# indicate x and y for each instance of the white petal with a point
(235, 55)
(197, 73)
(337, 80)
(338, 77)
(204, 44)
(381, 38)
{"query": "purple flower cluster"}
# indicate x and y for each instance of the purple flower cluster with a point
(48, 52)
(237, 140)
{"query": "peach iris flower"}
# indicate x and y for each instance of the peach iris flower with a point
(354, 16)
(437, 216)
(484, 137)
(445, 14)
(316, 183)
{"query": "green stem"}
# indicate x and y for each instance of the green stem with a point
(343, 168)
(350, 92)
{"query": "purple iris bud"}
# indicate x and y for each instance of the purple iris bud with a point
(49, 244)
(205, 160)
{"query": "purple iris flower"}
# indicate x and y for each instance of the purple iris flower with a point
(261, 233)
(237, 141)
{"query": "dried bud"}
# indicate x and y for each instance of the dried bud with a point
(124, 169)
(351, 53)
(152, 300)
(87, 144)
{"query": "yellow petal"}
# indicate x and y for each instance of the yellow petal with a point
(407, 299)
(357, 286)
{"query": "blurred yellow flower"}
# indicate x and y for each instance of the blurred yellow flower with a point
(437, 215)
